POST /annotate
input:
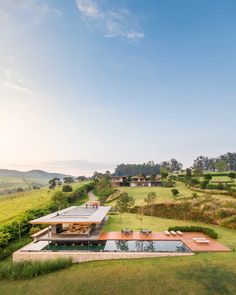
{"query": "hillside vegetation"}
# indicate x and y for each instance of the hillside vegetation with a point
(14, 205)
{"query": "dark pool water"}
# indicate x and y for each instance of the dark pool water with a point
(125, 246)
(146, 246)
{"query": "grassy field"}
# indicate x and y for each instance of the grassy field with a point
(9, 183)
(164, 194)
(199, 274)
(14, 205)
(205, 273)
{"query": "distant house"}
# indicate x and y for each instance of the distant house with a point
(117, 181)
(136, 181)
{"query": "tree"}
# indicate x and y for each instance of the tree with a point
(204, 184)
(53, 182)
(221, 165)
(232, 175)
(125, 202)
(175, 165)
(207, 177)
(175, 192)
(164, 172)
(67, 188)
(197, 172)
(230, 159)
(166, 165)
(68, 179)
(140, 216)
(188, 174)
(148, 168)
(60, 200)
(150, 200)
(204, 163)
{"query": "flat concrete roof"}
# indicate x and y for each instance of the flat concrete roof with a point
(74, 214)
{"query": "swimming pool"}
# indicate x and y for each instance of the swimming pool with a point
(146, 246)
(123, 246)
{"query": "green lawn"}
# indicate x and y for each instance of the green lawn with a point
(163, 194)
(200, 274)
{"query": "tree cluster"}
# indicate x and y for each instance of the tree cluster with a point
(226, 162)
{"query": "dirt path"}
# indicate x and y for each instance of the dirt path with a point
(92, 197)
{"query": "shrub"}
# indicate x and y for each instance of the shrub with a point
(12, 247)
(195, 195)
(184, 210)
(4, 239)
(67, 188)
(175, 192)
(34, 230)
(31, 269)
(230, 223)
(206, 230)
(114, 196)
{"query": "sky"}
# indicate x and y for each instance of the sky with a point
(88, 84)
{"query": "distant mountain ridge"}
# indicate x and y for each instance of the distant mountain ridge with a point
(30, 174)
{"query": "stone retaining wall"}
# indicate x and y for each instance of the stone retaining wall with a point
(77, 256)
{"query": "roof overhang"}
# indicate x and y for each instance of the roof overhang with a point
(74, 214)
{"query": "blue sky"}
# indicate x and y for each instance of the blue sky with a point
(87, 84)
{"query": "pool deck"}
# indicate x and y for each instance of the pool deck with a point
(187, 239)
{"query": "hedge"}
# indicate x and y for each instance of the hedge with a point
(192, 228)
(183, 210)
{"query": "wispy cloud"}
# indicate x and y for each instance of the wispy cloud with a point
(112, 22)
(89, 9)
(37, 10)
(15, 81)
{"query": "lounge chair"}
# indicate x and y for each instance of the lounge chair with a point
(167, 233)
(145, 231)
(196, 239)
(201, 241)
(179, 233)
(127, 231)
(173, 233)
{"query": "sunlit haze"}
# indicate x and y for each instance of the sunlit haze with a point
(85, 85)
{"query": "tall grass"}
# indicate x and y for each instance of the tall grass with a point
(31, 269)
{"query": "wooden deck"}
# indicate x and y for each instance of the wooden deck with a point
(187, 239)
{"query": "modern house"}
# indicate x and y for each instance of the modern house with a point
(76, 233)
(136, 181)
(73, 223)
(117, 181)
